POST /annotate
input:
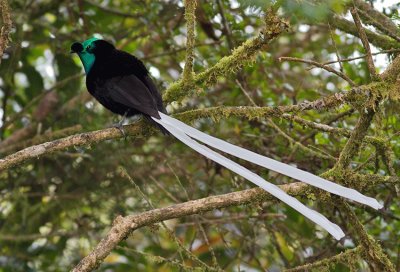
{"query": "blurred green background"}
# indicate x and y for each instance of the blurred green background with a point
(55, 209)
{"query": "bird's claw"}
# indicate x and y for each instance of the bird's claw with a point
(120, 127)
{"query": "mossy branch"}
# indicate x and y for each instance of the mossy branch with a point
(377, 19)
(381, 41)
(190, 8)
(124, 226)
(372, 250)
(352, 96)
(229, 64)
(364, 40)
(356, 138)
(347, 257)
(81, 139)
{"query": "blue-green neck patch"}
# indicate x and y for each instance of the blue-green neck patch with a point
(87, 60)
(86, 55)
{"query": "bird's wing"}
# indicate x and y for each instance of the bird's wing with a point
(154, 91)
(130, 91)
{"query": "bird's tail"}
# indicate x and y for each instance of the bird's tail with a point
(159, 126)
(189, 135)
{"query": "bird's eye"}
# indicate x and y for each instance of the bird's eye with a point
(88, 47)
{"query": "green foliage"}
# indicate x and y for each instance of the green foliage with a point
(55, 209)
(315, 11)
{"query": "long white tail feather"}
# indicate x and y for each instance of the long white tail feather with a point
(272, 164)
(314, 216)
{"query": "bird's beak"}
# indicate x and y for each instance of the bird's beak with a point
(72, 52)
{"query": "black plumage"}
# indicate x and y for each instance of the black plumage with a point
(122, 84)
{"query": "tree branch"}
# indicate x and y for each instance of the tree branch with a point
(381, 41)
(6, 28)
(245, 52)
(364, 40)
(124, 226)
(74, 140)
(348, 256)
(377, 19)
(373, 251)
(356, 94)
(320, 65)
(190, 8)
(356, 138)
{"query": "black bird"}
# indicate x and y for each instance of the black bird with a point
(113, 74)
(122, 84)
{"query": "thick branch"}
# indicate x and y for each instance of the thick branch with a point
(372, 250)
(64, 143)
(356, 138)
(47, 136)
(377, 19)
(392, 73)
(124, 226)
(381, 41)
(356, 94)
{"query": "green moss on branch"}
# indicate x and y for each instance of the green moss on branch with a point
(229, 64)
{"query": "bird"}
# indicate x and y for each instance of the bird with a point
(122, 84)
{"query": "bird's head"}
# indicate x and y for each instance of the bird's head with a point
(91, 49)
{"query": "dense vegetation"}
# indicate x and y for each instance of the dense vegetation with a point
(265, 77)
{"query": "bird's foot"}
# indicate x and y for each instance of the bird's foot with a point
(120, 127)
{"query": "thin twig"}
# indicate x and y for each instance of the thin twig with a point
(187, 252)
(274, 126)
(364, 40)
(221, 220)
(336, 49)
(190, 8)
(360, 57)
(245, 52)
(227, 30)
(320, 65)
(158, 259)
(177, 50)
